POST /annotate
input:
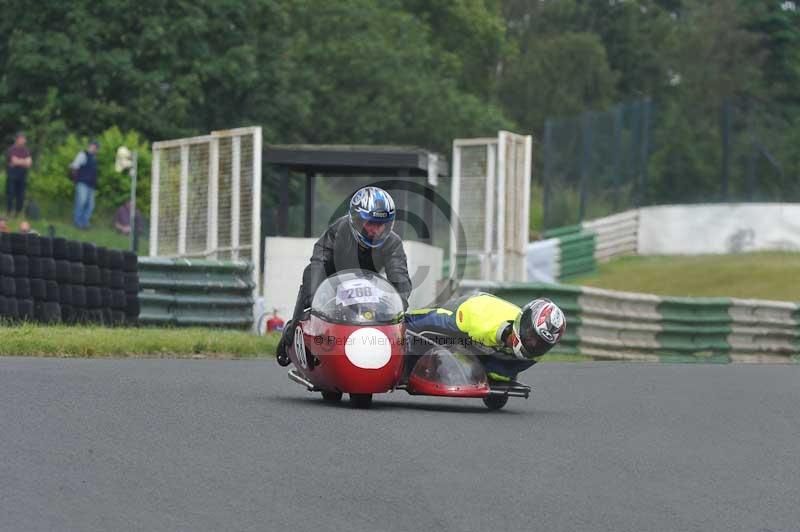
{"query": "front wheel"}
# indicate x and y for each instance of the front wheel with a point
(361, 400)
(495, 402)
(332, 397)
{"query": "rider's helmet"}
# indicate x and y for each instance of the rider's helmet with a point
(539, 326)
(372, 216)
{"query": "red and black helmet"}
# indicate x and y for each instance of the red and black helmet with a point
(539, 327)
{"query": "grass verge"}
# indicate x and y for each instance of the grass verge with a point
(63, 341)
(100, 342)
(749, 275)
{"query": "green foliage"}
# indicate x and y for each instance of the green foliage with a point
(50, 184)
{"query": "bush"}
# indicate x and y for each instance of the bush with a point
(50, 184)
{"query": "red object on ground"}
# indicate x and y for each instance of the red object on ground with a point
(274, 324)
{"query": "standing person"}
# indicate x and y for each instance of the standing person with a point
(18, 162)
(84, 173)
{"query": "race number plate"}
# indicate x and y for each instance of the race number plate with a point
(357, 291)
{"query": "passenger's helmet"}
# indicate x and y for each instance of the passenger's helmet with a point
(539, 326)
(371, 216)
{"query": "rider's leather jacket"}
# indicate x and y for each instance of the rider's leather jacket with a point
(337, 250)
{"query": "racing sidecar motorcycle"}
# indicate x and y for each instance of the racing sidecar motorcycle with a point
(352, 340)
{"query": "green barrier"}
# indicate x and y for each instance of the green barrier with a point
(187, 292)
(558, 232)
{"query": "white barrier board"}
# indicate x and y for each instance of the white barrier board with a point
(541, 261)
(719, 229)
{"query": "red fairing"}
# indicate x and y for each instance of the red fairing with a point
(351, 359)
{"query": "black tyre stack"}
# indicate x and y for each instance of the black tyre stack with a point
(52, 280)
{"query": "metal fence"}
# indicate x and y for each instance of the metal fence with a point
(648, 152)
(206, 197)
(184, 292)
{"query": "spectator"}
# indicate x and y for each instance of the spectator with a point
(25, 228)
(19, 161)
(84, 173)
(4, 225)
(122, 219)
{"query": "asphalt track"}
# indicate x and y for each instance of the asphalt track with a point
(115, 445)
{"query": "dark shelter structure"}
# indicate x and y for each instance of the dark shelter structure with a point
(409, 174)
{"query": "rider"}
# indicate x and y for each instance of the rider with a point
(361, 239)
(509, 339)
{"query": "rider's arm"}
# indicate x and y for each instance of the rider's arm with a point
(316, 272)
(397, 271)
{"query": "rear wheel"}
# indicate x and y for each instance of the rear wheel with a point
(332, 397)
(495, 402)
(361, 400)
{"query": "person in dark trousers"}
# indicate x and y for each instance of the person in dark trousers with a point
(362, 239)
(18, 160)
(84, 174)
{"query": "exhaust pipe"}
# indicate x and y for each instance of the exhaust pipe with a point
(299, 379)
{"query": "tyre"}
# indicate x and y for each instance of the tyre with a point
(495, 402)
(94, 298)
(67, 314)
(129, 261)
(118, 300)
(77, 273)
(33, 245)
(5, 243)
(19, 243)
(53, 293)
(23, 289)
(46, 247)
(89, 252)
(60, 249)
(95, 316)
(63, 271)
(115, 260)
(7, 264)
(8, 286)
(78, 296)
(117, 280)
(107, 319)
(131, 283)
(107, 299)
(105, 277)
(48, 267)
(74, 251)
(117, 317)
(102, 257)
(21, 265)
(12, 308)
(38, 290)
(34, 267)
(25, 309)
(361, 400)
(47, 312)
(332, 397)
(2, 306)
(132, 306)
(92, 275)
(65, 294)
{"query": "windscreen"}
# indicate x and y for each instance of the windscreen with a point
(357, 297)
(450, 368)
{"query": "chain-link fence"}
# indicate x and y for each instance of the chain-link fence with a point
(649, 153)
(204, 192)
